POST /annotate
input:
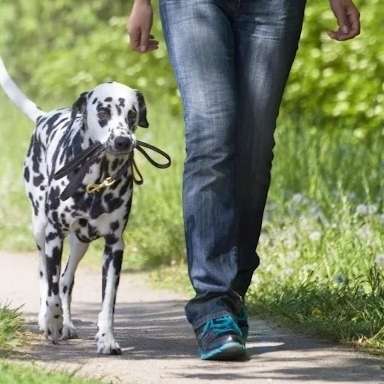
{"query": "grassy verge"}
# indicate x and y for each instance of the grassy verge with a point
(11, 328)
(342, 313)
(12, 335)
(322, 241)
(15, 373)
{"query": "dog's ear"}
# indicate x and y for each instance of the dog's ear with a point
(79, 106)
(143, 122)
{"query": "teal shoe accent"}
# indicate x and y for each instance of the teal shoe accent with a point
(221, 339)
(229, 350)
(242, 321)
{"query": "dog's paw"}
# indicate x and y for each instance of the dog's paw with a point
(106, 344)
(54, 328)
(53, 321)
(69, 332)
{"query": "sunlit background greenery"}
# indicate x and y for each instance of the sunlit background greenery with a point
(322, 241)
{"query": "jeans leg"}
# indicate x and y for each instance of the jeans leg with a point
(266, 39)
(200, 44)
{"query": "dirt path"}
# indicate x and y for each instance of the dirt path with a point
(158, 345)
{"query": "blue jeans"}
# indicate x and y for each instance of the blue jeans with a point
(231, 59)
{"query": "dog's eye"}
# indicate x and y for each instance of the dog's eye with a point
(132, 116)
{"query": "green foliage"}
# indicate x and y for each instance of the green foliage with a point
(322, 241)
(11, 373)
(15, 213)
(58, 49)
(339, 83)
(10, 327)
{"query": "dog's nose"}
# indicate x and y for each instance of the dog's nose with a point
(122, 143)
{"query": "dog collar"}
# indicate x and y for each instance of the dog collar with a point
(79, 166)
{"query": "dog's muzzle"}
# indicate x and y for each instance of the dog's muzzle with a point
(121, 145)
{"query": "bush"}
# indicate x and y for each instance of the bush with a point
(339, 84)
(60, 48)
(63, 47)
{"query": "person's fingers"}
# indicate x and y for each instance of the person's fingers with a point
(152, 45)
(342, 21)
(354, 20)
(341, 17)
(336, 35)
(152, 48)
(339, 35)
(354, 24)
(144, 39)
(348, 19)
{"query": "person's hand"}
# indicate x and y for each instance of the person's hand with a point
(348, 19)
(139, 27)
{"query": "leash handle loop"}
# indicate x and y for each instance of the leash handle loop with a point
(135, 169)
(140, 144)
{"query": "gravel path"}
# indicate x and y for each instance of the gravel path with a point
(157, 342)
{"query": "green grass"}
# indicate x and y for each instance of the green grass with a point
(12, 335)
(11, 328)
(322, 241)
(11, 373)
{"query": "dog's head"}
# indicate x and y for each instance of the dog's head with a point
(111, 113)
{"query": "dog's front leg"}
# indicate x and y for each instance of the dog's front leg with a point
(53, 321)
(113, 256)
(76, 252)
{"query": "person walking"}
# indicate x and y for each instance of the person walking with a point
(231, 60)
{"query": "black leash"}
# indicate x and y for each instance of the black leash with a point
(80, 165)
(88, 154)
(140, 144)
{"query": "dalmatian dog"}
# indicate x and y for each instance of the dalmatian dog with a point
(108, 114)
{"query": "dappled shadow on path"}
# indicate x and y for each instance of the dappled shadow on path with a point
(158, 331)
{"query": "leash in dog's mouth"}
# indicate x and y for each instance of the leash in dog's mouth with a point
(79, 167)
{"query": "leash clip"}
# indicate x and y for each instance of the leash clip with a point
(92, 188)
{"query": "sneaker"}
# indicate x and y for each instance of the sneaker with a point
(242, 322)
(221, 339)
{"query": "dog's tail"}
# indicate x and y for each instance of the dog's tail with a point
(16, 95)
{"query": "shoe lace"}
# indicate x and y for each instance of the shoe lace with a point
(221, 325)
